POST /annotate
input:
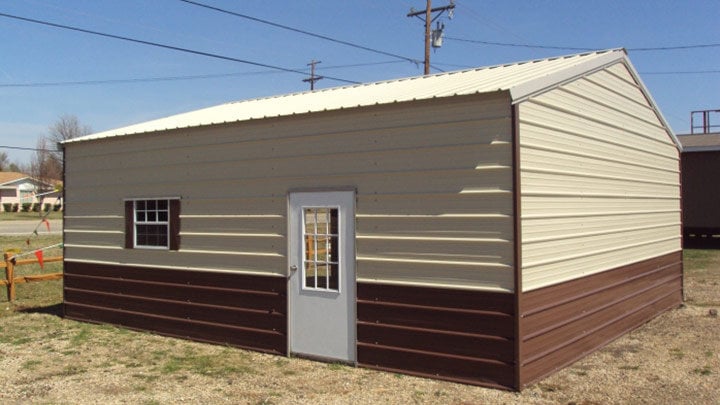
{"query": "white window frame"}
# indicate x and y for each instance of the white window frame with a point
(157, 222)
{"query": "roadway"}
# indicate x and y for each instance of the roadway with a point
(26, 227)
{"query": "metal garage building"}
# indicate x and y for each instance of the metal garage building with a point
(700, 192)
(486, 226)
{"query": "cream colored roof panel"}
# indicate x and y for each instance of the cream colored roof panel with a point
(521, 80)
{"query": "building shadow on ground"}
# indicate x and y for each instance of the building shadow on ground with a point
(55, 309)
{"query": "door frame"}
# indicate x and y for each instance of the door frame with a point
(348, 284)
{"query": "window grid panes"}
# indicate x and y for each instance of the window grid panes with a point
(321, 262)
(152, 223)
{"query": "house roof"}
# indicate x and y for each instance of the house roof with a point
(700, 142)
(10, 180)
(521, 80)
(9, 177)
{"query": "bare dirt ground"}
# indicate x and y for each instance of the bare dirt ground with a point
(675, 358)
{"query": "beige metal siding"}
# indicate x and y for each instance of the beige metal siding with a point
(599, 180)
(434, 184)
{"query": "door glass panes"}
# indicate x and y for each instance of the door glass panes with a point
(321, 255)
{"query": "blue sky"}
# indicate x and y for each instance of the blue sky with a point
(32, 54)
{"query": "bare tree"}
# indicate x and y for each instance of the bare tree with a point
(4, 162)
(43, 164)
(7, 166)
(65, 128)
(46, 164)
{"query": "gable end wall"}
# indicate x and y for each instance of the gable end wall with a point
(600, 219)
(600, 182)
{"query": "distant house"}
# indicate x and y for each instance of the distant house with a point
(19, 188)
(487, 226)
(700, 194)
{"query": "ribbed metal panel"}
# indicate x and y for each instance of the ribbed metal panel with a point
(520, 79)
(564, 322)
(599, 180)
(456, 335)
(433, 181)
(234, 309)
(701, 195)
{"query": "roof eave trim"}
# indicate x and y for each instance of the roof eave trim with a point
(541, 85)
(15, 180)
(711, 148)
(653, 104)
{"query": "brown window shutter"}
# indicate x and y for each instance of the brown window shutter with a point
(174, 224)
(129, 231)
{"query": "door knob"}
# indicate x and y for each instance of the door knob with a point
(293, 268)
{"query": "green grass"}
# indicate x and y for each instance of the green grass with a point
(146, 377)
(217, 365)
(336, 366)
(702, 272)
(677, 353)
(72, 369)
(82, 336)
(41, 294)
(700, 259)
(633, 368)
(703, 371)
(32, 364)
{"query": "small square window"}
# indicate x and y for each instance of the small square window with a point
(152, 224)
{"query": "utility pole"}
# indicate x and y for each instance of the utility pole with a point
(312, 79)
(429, 19)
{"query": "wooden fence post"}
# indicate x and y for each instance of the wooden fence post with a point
(10, 275)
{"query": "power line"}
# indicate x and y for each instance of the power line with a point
(686, 72)
(171, 47)
(221, 75)
(570, 48)
(171, 78)
(121, 81)
(300, 31)
(28, 149)
(476, 41)
(486, 21)
(673, 48)
(360, 64)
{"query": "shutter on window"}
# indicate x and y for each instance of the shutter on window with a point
(129, 231)
(174, 224)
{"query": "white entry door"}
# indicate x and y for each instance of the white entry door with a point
(321, 256)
